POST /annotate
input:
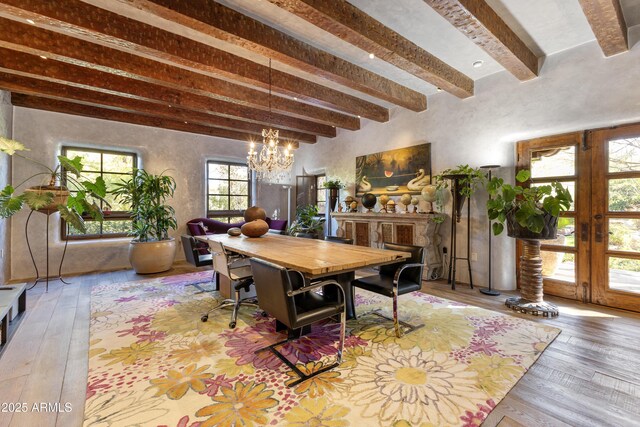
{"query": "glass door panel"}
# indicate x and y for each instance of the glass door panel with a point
(557, 159)
(616, 217)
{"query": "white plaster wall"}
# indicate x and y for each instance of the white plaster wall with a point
(184, 154)
(577, 89)
(6, 114)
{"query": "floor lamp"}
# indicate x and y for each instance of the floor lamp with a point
(489, 290)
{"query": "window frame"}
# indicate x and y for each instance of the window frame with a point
(220, 215)
(112, 215)
(321, 193)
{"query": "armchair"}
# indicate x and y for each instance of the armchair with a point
(396, 279)
(282, 294)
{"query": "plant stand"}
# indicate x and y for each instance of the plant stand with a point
(531, 300)
(458, 200)
(46, 277)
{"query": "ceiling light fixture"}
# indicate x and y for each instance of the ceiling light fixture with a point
(439, 89)
(478, 64)
(43, 57)
(31, 21)
(272, 163)
(372, 55)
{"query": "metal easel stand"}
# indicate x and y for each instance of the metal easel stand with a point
(46, 278)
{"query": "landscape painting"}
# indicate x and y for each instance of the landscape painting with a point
(394, 172)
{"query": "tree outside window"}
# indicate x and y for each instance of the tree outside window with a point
(228, 191)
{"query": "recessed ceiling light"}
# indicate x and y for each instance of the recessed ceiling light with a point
(43, 57)
(295, 99)
(359, 117)
(372, 55)
(439, 89)
(478, 64)
(186, 123)
(31, 21)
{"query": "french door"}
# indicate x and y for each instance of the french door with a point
(596, 257)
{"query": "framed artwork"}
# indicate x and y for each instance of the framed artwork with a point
(394, 172)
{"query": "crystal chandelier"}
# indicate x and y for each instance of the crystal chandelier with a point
(272, 162)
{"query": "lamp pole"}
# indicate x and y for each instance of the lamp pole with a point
(489, 290)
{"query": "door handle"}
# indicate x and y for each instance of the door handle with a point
(599, 233)
(584, 232)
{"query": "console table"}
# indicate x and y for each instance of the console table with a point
(374, 229)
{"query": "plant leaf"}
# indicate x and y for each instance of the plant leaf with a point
(536, 223)
(37, 200)
(10, 146)
(99, 187)
(497, 228)
(9, 205)
(71, 165)
(76, 202)
(523, 175)
(72, 218)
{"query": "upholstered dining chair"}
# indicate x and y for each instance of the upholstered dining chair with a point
(239, 274)
(282, 294)
(337, 239)
(396, 279)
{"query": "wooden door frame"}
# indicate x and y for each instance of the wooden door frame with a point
(581, 290)
(601, 293)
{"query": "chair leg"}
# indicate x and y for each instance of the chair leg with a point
(396, 326)
(343, 325)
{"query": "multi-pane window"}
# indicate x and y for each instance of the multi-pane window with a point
(321, 193)
(228, 190)
(112, 166)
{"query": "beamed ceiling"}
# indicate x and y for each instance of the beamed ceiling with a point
(202, 66)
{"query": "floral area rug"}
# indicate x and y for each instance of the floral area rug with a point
(152, 362)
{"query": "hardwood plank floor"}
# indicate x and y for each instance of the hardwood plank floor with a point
(589, 376)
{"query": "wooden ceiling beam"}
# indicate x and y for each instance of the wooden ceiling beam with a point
(95, 25)
(482, 25)
(342, 19)
(54, 90)
(58, 106)
(213, 19)
(608, 24)
(28, 38)
(22, 63)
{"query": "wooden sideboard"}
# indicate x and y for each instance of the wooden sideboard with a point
(374, 229)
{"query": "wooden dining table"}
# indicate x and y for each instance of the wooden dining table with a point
(314, 258)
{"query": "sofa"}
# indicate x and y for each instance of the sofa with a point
(202, 226)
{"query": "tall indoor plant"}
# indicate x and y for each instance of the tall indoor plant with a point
(52, 194)
(464, 180)
(152, 250)
(531, 215)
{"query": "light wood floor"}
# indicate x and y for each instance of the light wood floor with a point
(590, 375)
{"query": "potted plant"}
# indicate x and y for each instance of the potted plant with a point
(52, 195)
(464, 181)
(152, 250)
(531, 215)
(334, 186)
(307, 223)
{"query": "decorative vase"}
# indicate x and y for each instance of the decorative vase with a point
(531, 300)
(333, 198)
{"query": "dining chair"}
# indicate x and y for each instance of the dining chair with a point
(282, 294)
(396, 279)
(240, 277)
(337, 239)
(197, 254)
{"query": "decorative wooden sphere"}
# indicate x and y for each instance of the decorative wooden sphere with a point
(384, 199)
(234, 231)
(405, 199)
(255, 212)
(369, 200)
(255, 228)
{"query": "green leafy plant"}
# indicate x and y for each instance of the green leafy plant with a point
(307, 221)
(146, 194)
(333, 183)
(88, 193)
(528, 205)
(469, 183)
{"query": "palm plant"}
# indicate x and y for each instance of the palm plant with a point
(53, 193)
(146, 194)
